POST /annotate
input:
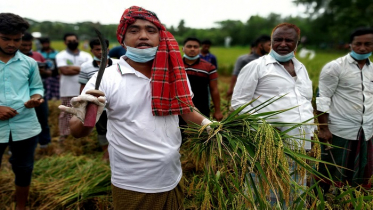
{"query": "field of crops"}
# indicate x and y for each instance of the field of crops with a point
(73, 176)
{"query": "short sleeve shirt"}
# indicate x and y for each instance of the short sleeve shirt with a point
(200, 74)
(69, 84)
(144, 149)
(242, 61)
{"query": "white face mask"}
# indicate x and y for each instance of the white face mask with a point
(281, 58)
(141, 55)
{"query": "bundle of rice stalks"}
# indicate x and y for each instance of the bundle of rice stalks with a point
(248, 162)
(66, 182)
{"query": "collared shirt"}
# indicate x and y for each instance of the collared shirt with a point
(19, 80)
(210, 58)
(242, 61)
(265, 78)
(200, 74)
(144, 149)
(69, 84)
(346, 93)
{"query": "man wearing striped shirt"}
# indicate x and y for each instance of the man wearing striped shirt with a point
(202, 75)
(87, 70)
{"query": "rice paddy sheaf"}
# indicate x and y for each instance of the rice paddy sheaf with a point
(243, 163)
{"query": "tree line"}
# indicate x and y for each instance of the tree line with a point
(327, 23)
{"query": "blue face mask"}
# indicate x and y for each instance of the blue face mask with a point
(141, 55)
(191, 58)
(98, 59)
(281, 58)
(360, 57)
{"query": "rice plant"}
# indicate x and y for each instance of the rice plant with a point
(248, 163)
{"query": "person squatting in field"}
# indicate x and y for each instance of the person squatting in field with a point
(21, 90)
(142, 94)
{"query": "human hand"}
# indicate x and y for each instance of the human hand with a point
(218, 115)
(207, 122)
(229, 92)
(325, 136)
(79, 105)
(34, 102)
(7, 113)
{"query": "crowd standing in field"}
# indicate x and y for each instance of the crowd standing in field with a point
(142, 94)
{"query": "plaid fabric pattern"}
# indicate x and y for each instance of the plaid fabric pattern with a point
(169, 80)
(52, 87)
(64, 118)
(355, 155)
(131, 200)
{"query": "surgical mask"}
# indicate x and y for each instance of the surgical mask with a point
(99, 59)
(72, 45)
(360, 57)
(141, 55)
(191, 58)
(281, 58)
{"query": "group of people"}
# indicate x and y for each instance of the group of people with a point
(146, 95)
(343, 101)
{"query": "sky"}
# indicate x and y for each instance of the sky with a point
(196, 13)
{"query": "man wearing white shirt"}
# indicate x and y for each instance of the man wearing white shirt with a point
(142, 93)
(68, 63)
(346, 99)
(277, 74)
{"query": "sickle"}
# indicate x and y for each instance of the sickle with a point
(91, 113)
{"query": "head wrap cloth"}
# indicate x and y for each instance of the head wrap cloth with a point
(169, 79)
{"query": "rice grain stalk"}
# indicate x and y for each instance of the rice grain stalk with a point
(258, 148)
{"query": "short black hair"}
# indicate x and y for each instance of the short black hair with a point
(261, 39)
(96, 41)
(206, 41)
(69, 34)
(191, 39)
(253, 44)
(27, 37)
(359, 32)
(12, 24)
(44, 40)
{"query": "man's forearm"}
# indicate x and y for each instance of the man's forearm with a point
(193, 117)
(216, 99)
(69, 70)
(36, 96)
(233, 83)
(77, 129)
(323, 120)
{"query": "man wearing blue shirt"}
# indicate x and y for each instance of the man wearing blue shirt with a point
(205, 53)
(21, 89)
